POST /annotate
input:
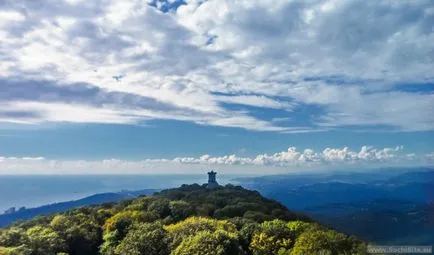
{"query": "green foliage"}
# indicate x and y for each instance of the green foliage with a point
(140, 204)
(180, 210)
(298, 227)
(219, 242)
(257, 216)
(205, 209)
(36, 221)
(272, 237)
(246, 234)
(11, 237)
(238, 210)
(318, 241)
(81, 233)
(239, 222)
(193, 225)
(190, 220)
(18, 250)
(145, 239)
(110, 242)
(43, 241)
(117, 227)
(160, 207)
(122, 220)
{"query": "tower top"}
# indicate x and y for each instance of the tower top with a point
(212, 182)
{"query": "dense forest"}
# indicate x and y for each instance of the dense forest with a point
(187, 220)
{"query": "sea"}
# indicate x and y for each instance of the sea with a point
(36, 190)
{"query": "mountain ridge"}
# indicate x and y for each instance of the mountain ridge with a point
(363, 205)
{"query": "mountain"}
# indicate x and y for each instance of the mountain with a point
(294, 180)
(323, 193)
(383, 221)
(6, 219)
(189, 220)
(414, 176)
(386, 206)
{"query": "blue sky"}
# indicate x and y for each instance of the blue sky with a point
(151, 86)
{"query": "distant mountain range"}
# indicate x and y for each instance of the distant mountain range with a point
(383, 221)
(6, 219)
(387, 206)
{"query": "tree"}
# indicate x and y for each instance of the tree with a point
(161, 207)
(140, 204)
(122, 220)
(246, 234)
(319, 241)
(11, 237)
(271, 238)
(205, 209)
(81, 233)
(257, 216)
(44, 241)
(193, 225)
(228, 211)
(18, 250)
(145, 239)
(210, 243)
(239, 222)
(111, 241)
(180, 210)
(117, 227)
(298, 227)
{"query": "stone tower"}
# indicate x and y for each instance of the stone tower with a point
(212, 183)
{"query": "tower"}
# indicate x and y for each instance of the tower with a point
(212, 183)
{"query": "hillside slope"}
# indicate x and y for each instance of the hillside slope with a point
(28, 213)
(385, 206)
(188, 220)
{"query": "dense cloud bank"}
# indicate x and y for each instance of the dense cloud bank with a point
(356, 63)
(280, 162)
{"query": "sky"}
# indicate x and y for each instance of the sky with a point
(243, 86)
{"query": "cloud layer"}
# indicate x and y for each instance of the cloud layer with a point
(361, 63)
(280, 162)
(292, 157)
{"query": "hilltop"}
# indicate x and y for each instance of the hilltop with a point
(191, 219)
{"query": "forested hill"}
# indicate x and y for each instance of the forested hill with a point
(188, 220)
(28, 213)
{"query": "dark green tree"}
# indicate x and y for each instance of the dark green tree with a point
(180, 210)
(81, 233)
(12, 237)
(161, 207)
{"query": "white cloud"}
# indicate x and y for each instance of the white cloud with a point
(257, 101)
(11, 16)
(344, 57)
(430, 156)
(69, 113)
(280, 162)
(308, 157)
(2, 159)
(366, 153)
